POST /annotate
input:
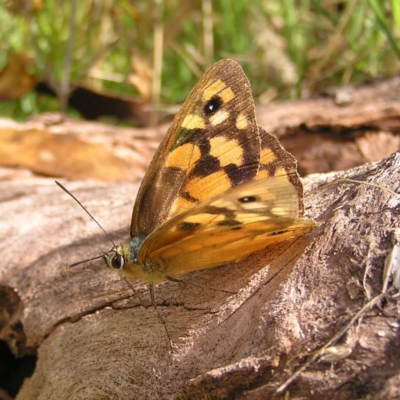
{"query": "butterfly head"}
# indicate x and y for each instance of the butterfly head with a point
(124, 259)
(115, 259)
(120, 257)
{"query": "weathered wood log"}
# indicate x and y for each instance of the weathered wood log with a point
(97, 338)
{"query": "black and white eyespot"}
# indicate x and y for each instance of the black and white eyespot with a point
(247, 199)
(213, 105)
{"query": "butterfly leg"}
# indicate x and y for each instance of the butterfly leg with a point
(153, 301)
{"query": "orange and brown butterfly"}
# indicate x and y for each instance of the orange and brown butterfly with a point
(218, 189)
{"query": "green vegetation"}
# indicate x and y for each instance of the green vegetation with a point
(157, 49)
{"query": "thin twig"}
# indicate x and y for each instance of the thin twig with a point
(317, 354)
(348, 180)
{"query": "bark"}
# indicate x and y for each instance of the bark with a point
(97, 338)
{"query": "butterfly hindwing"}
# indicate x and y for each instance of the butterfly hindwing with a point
(226, 228)
(275, 161)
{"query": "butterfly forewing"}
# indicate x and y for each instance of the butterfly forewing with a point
(212, 145)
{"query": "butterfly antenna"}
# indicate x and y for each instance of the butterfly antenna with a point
(90, 215)
(83, 261)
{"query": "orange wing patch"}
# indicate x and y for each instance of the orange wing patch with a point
(183, 157)
(226, 150)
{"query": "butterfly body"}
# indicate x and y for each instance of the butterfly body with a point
(218, 189)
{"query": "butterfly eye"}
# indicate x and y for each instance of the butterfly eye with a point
(247, 199)
(114, 259)
(117, 262)
(213, 105)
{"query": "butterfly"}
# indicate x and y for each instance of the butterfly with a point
(218, 189)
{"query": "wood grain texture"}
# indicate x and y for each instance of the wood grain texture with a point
(96, 338)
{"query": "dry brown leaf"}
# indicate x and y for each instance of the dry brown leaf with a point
(60, 155)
